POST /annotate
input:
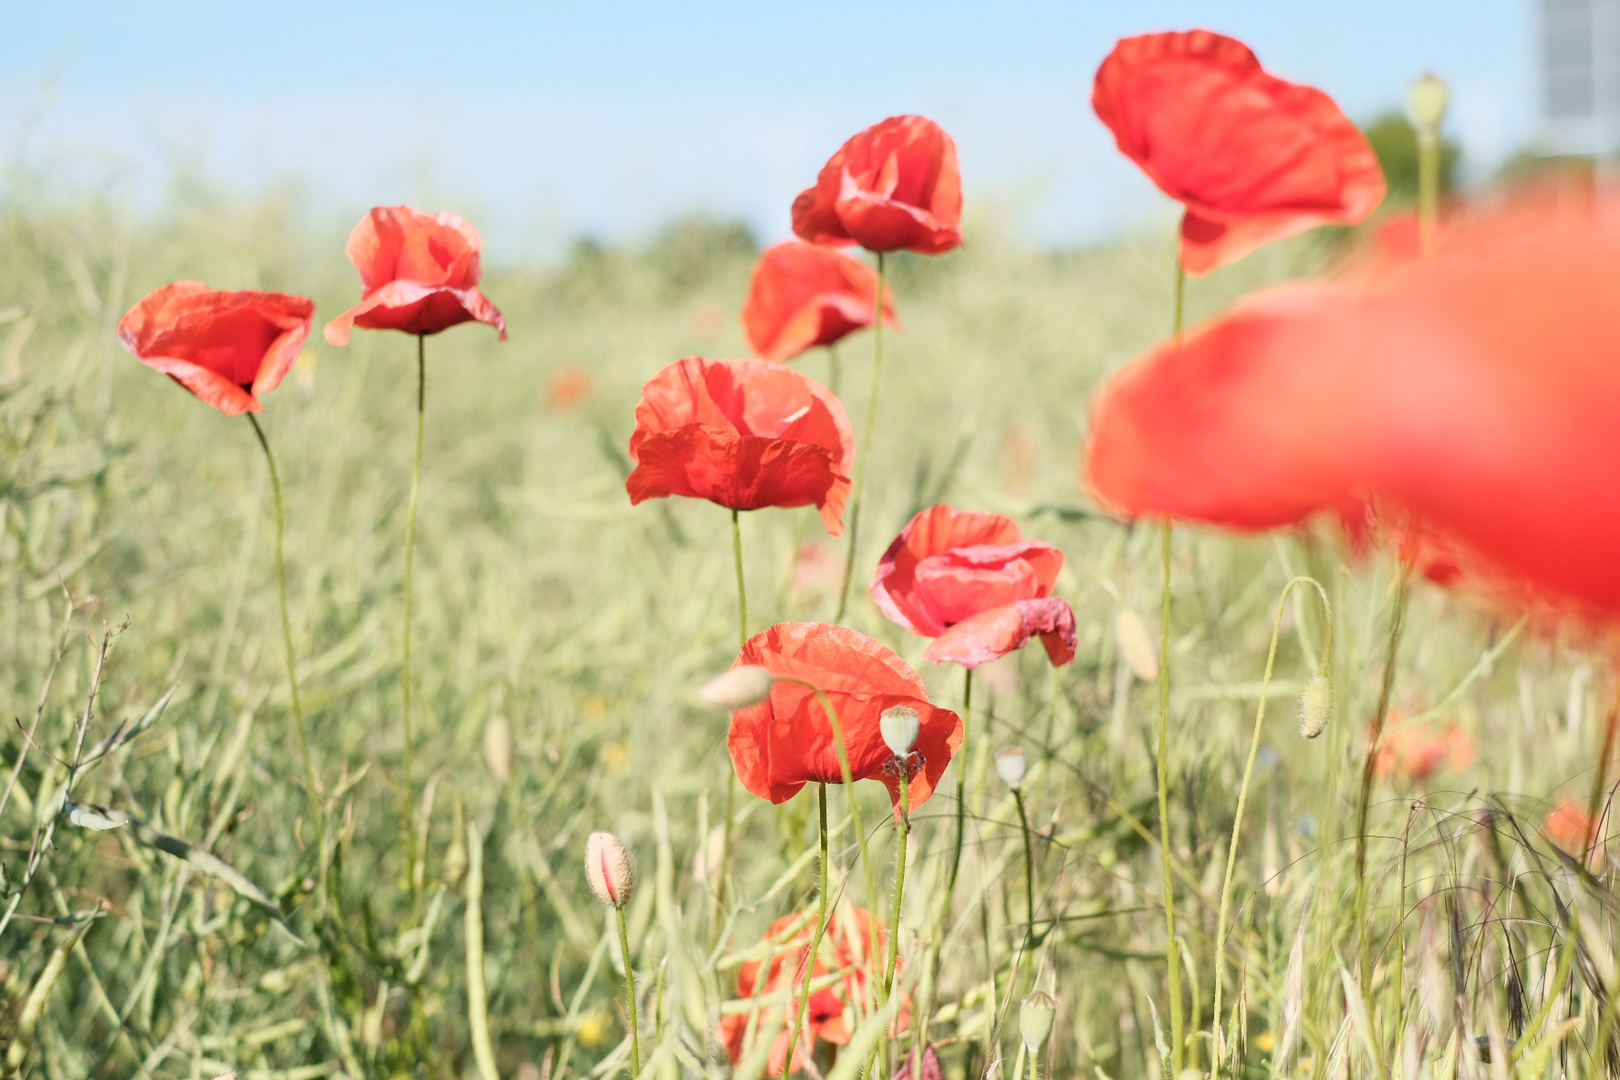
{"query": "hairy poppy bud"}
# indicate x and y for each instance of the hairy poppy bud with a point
(609, 869)
(1012, 765)
(1135, 646)
(1315, 706)
(899, 726)
(498, 749)
(1035, 1015)
(739, 688)
(1427, 100)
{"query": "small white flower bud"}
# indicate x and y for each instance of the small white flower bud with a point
(1315, 706)
(1427, 99)
(739, 688)
(1012, 765)
(498, 749)
(1136, 645)
(899, 726)
(609, 869)
(1035, 1015)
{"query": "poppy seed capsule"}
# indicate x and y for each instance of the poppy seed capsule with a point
(1315, 706)
(1035, 1015)
(1012, 765)
(609, 869)
(1427, 99)
(740, 688)
(900, 726)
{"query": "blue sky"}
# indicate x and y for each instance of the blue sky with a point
(609, 118)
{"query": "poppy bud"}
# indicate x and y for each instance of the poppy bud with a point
(1012, 765)
(609, 869)
(1427, 100)
(498, 749)
(1035, 1015)
(1135, 646)
(899, 726)
(739, 688)
(1315, 705)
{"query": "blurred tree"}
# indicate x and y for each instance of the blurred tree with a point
(1394, 140)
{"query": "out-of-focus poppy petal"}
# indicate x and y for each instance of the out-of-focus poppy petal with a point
(225, 347)
(993, 634)
(802, 295)
(416, 309)
(894, 186)
(1252, 157)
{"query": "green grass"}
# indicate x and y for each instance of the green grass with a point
(547, 604)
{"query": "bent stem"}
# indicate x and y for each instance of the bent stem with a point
(742, 588)
(815, 942)
(406, 805)
(865, 449)
(1029, 892)
(631, 1020)
(1243, 795)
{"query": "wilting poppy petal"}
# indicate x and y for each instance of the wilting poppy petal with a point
(951, 569)
(225, 347)
(993, 634)
(802, 295)
(1252, 157)
(893, 187)
(786, 741)
(420, 274)
(745, 434)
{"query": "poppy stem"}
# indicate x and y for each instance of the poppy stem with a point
(1029, 892)
(865, 449)
(311, 778)
(1172, 958)
(902, 828)
(1219, 1056)
(815, 942)
(961, 790)
(742, 587)
(405, 669)
(631, 1020)
(835, 369)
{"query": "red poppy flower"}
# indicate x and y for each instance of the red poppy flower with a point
(829, 1018)
(420, 274)
(972, 583)
(1570, 827)
(1475, 390)
(1253, 158)
(802, 295)
(1412, 754)
(742, 433)
(225, 347)
(785, 742)
(893, 187)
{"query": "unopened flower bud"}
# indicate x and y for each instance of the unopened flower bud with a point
(1427, 100)
(498, 749)
(1135, 646)
(1035, 1015)
(609, 869)
(739, 688)
(1315, 706)
(1012, 765)
(899, 726)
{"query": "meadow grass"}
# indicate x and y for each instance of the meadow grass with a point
(560, 636)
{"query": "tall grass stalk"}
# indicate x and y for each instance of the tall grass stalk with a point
(864, 450)
(407, 807)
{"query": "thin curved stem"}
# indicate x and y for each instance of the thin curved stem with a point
(631, 1019)
(1171, 958)
(1029, 888)
(1243, 794)
(407, 808)
(864, 450)
(902, 827)
(742, 587)
(815, 942)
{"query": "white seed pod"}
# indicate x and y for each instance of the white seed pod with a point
(1012, 765)
(741, 687)
(1136, 645)
(1427, 99)
(609, 869)
(1315, 706)
(498, 749)
(900, 726)
(1035, 1015)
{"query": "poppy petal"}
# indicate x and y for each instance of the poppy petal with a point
(993, 634)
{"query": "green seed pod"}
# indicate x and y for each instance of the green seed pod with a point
(1035, 1015)
(1315, 706)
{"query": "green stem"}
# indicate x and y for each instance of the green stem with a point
(864, 451)
(1035, 1065)
(1243, 795)
(961, 791)
(835, 370)
(1428, 187)
(742, 588)
(815, 942)
(1029, 890)
(901, 829)
(631, 1020)
(1171, 958)
(407, 809)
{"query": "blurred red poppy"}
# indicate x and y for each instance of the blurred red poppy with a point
(420, 274)
(1570, 827)
(847, 942)
(1475, 390)
(802, 295)
(1412, 755)
(893, 187)
(971, 582)
(742, 433)
(567, 388)
(225, 347)
(1253, 158)
(785, 742)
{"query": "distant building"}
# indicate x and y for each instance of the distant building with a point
(1580, 76)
